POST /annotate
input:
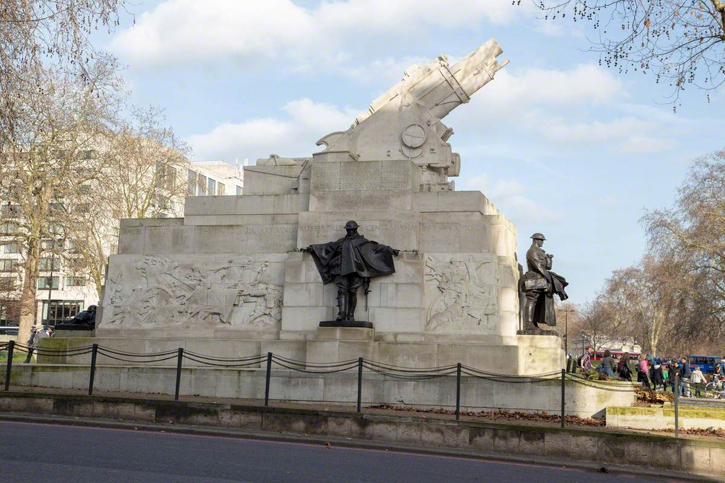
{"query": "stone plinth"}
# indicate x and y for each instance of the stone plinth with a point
(345, 333)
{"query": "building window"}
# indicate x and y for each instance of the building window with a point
(56, 208)
(82, 208)
(160, 175)
(7, 228)
(221, 189)
(10, 211)
(60, 310)
(162, 202)
(49, 263)
(44, 283)
(8, 265)
(191, 184)
(11, 248)
(170, 178)
(239, 191)
(201, 186)
(51, 245)
(211, 187)
(75, 282)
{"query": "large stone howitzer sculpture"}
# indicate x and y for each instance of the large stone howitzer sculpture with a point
(405, 122)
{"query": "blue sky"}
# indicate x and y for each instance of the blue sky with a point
(558, 143)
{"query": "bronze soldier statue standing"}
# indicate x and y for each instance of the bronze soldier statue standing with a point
(351, 262)
(539, 285)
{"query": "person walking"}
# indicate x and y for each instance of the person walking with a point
(608, 366)
(656, 374)
(642, 369)
(698, 382)
(585, 361)
(34, 340)
(31, 343)
(685, 375)
(625, 373)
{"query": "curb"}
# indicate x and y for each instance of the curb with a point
(346, 443)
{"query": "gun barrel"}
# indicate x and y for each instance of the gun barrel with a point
(467, 76)
(478, 68)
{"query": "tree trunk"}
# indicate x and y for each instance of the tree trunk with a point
(28, 304)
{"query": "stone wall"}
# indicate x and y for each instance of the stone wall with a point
(476, 394)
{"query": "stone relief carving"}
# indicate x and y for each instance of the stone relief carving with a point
(173, 294)
(464, 295)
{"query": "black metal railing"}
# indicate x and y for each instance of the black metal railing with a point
(269, 360)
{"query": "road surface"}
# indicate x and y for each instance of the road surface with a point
(42, 453)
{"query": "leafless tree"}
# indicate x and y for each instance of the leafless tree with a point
(594, 323)
(37, 34)
(695, 227)
(681, 41)
(143, 176)
(49, 155)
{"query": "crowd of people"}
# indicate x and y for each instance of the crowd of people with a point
(656, 373)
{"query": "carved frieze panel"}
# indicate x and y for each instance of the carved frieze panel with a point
(163, 292)
(461, 293)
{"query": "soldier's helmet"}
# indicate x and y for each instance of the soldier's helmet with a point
(351, 225)
(538, 236)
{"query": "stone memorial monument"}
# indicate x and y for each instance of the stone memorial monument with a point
(231, 276)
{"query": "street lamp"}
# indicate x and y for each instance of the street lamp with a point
(566, 311)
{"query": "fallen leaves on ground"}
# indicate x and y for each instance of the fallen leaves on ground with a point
(653, 397)
(498, 414)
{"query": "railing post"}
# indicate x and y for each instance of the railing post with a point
(178, 373)
(94, 354)
(269, 376)
(563, 397)
(458, 391)
(359, 383)
(9, 366)
(677, 405)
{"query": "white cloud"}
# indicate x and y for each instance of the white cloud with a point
(558, 107)
(582, 85)
(295, 136)
(186, 31)
(510, 197)
(178, 31)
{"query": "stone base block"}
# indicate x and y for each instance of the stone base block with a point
(346, 333)
(524, 355)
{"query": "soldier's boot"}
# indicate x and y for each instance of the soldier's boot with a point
(529, 327)
(351, 307)
(341, 310)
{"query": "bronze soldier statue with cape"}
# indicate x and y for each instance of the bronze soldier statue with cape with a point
(351, 262)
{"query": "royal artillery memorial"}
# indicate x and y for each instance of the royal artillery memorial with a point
(235, 278)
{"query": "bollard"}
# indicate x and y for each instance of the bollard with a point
(178, 373)
(93, 369)
(458, 392)
(269, 376)
(9, 367)
(677, 405)
(359, 383)
(563, 396)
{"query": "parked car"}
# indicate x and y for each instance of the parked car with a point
(8, 330)
(705, 363)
